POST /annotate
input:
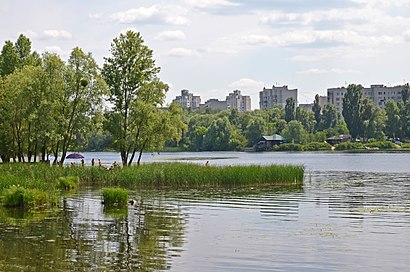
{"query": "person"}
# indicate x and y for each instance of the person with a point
(92, 162)
(207, 163)
(99, 163)
(82, 162)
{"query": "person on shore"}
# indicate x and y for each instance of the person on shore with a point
(92, 162)
(100, 163)
(207, 163)
(82, 162)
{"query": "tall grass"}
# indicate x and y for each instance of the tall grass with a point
(151, 175)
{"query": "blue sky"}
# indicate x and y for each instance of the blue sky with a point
(212, 47)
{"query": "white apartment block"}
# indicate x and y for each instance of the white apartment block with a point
(276, 96)
(379, 94)
(238, 101)
(188, 100)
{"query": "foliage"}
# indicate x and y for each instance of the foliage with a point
(115, 196)
(352, 109)
(349, 146)
(290, 109)
(316, 146)
(289, 147)
(67, 183)
(17, 196)
(295, 133)
(382, 144)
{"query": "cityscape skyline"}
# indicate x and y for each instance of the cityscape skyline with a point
(215, 46)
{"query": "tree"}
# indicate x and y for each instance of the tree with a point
(317, 111)
(82, 96)
(405, 93)
(352, 109)
(329, 118)
(9, 59)
(290, 109)
(255, 129)
(131, 75)
(372, 120)
(306, 118)
(218, 135)
(393, 128)
(295, 133)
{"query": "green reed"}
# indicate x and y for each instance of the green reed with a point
(152, 175)
(115, 196)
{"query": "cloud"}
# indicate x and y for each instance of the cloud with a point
(406, 36)
(155, 14)
(180, 52)
(54, 49)
(247, 84)
(316, 71)
(256, 39)
(211, 5)
(171, 36)
(56, 34)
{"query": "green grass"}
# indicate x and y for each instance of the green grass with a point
(174, 175)
(115, 196)
(18, 196)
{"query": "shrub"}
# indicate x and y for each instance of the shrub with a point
(289, 147)
(349, 146)
(115, 196)
(18, 196)
(382, 144)
(315, 146)
(67, 183)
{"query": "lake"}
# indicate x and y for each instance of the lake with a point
(351, 214)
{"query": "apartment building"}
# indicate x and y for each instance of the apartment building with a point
(276, 96)
(188, 100)
(236, 100)
(379, 94)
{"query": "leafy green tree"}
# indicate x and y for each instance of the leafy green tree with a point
(82, 96)
(218, 135)
(393, 128)
(306, 118)
(9, 59)
(290, 109)
(352, 109)
(295, 133)
(131, 75)
(329, 118)
(373, 120)
(317, 111)
(255, 129)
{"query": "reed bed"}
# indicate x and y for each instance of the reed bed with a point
(152, 175)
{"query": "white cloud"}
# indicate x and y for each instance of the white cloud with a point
(171, 36)
(256, 39)
(56, 34)
(313, 71)
(406, 35)
(344, 71)
(54, 49)
(181, 52)
(247, 84)
(155, 14)
(95, 15)
(210, 4)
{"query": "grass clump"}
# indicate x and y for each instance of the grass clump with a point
(115, 196)
(18, 196)
(382, 144)
(350, 146)
(67, 183)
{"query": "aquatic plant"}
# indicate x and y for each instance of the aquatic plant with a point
(115, 196)
(18, 196)
(67, 183)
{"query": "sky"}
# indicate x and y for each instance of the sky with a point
(212, 47)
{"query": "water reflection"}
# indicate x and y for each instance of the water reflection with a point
(336, 221)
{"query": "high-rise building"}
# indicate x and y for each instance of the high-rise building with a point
(236, 100)
(276, 96)
(379, 94)
(187, 100)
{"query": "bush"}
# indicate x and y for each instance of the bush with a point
(18, 196)
(115, 196)
(382, 144)
(289, 147)
(405, 145)
(67, 183)
(349, 146)
(315, 146)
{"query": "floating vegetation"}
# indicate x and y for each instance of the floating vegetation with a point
(115, 196)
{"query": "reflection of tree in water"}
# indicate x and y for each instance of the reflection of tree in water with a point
(82, 237)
